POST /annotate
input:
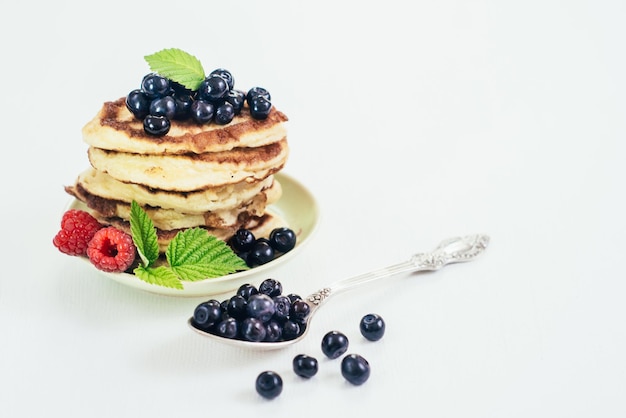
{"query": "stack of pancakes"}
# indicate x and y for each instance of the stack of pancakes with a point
(218, 177)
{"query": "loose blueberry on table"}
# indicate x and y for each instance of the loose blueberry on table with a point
(269, 384)
(355, 369)
(334, 344)
(372, 327)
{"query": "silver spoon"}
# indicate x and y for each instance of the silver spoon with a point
(453, 250)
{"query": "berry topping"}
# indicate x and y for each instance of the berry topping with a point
(213, 89)
(224, 113)
(111, 250)
(178, 90)
(156, 125)
(260, 107)
(77, 229)
(226, 75)
(154, 85)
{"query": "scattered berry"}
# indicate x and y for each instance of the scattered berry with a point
(305, 366)
(111, 250)
(355, 369)
(77, 229)
(334, 344)
(269, 384)
(372, 327)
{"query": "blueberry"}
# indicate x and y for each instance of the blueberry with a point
(202, 111)
(282, 239)
(163, 106)
(253, 329)
(273, 331)
(183, 106)
(207, 314)
(242, 240)
(282, 308)
(138, 103)
(236, 307)
(257, 92)
(271, 287)
(237, 98)
(246, 290)
(355, 369)
(226, 75)
(269, 384)
(224, 113)
(260, 107)
(213, 88)
(291, 329)
(227, 328)
(154, 85)
(305, 366)
(261, 253)
(156, 125)
(300, 309)
(260, 306)
(294, 297)
(334, 344)
(372, 327)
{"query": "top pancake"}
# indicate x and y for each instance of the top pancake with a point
(115, 128)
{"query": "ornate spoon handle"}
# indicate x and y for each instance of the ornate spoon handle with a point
(453, 250)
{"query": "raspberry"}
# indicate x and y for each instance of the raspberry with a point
(111, 250)
(77, 229)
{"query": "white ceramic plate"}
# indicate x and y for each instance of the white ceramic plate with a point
(297, 207)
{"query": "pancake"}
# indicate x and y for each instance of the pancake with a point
(260, 226)
(115, 128)
(188, 172)
(212, 199)
(168, 219)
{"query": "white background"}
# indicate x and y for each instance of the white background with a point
(409, 125)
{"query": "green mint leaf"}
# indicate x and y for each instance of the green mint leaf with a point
(195, 255)
(177, 65)
(144, 234)
(161, 276)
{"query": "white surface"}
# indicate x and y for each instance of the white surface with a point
(409, 125)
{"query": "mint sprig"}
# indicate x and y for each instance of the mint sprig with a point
(192, 255)
(177, 65)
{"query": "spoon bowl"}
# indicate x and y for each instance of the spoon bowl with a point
(453, 250)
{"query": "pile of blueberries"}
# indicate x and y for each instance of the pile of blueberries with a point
(254, 314)
(160, 100)
(258, 251)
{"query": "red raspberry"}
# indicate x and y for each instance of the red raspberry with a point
(77, 229)
(111, 250)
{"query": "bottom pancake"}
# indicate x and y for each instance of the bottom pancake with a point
(260, 226)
